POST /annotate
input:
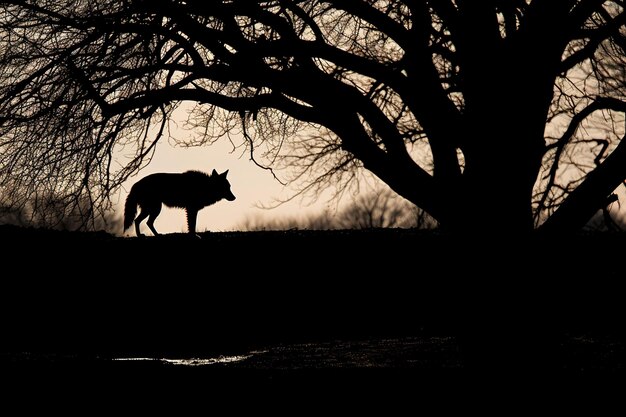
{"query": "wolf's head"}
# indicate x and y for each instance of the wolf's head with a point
(221, 186)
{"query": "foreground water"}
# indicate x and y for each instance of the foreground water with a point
(582, 352)
(427, 352)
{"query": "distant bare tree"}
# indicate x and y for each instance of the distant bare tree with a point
(319, 221)
(381, 208)
(378, 209)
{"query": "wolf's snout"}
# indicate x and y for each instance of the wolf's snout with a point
(230, 197)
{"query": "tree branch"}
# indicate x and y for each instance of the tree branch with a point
(600, 103)
(376, 18)
(591, 195)
(596, 37)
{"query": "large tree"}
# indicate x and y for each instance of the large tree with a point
(501, 113)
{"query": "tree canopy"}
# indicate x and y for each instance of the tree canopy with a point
(493, 113)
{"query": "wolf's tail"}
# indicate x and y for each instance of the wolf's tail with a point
(130, 208)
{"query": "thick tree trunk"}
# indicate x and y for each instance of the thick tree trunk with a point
(505, 113)
(501, 170)
(506, 117)
(496, 197)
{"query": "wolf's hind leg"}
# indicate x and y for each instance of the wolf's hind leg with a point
(154, 213)
(144, 213)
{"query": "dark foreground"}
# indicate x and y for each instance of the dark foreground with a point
(355, 304)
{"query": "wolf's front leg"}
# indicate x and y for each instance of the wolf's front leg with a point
(192, 215)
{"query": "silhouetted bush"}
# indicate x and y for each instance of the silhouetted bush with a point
(54, 213)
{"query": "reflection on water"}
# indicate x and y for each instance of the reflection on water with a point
(192, 361)
(407, 352)
(422, 352)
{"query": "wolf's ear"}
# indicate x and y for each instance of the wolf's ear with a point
(214, 173)
(223, 174)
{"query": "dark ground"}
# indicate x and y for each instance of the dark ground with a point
(372, 305)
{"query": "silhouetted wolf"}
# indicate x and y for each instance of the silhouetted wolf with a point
(191, 190)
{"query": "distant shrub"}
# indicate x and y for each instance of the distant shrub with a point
(379, 209)
(55, 214)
